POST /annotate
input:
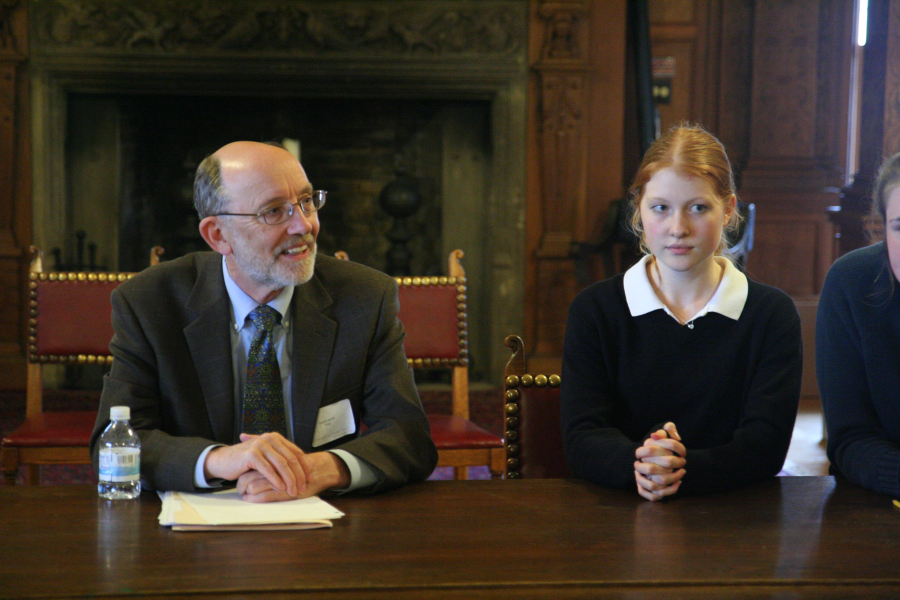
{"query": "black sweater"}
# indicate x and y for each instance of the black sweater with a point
(858, 367)
(731, 387)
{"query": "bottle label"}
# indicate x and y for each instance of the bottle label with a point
(120, 464)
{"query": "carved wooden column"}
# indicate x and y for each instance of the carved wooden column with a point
(575, 152)
(14, 191)
(798, 137)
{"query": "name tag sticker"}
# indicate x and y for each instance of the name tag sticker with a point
(334, 421)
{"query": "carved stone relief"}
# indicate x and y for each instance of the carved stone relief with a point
(279, 26)
(560, 38)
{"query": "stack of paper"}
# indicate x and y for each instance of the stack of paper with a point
(225, 511)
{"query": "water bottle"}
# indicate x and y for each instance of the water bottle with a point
(120, 458)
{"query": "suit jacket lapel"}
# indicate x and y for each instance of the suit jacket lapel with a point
(209, 340)
(314, 337)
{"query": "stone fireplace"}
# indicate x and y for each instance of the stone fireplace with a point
(129, 96)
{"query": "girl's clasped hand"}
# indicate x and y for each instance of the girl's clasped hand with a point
(660, 464)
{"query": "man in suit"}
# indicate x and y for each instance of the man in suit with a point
(201, 374)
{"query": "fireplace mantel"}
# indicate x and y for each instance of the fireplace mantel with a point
(310, 28)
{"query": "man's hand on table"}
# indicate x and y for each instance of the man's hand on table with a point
(269, 468)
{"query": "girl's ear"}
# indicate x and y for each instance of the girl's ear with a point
(730, 207)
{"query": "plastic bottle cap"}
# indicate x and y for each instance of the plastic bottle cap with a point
(120, 413)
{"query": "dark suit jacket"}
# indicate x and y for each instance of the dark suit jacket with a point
(173, 366)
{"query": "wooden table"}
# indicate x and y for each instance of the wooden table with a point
(789, 537)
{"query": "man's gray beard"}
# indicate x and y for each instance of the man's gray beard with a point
(273, 277)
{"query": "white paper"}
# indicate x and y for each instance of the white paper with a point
(170, 506)
(227, 508)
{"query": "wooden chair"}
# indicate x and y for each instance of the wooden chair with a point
(534, 445)
(433, 313)
(70, 323)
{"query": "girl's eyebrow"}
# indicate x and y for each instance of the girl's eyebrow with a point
(659, 199)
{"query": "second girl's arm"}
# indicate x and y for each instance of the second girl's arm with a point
(858, 443)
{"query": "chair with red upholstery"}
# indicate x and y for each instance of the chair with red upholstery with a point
(534, 445)
(70, 323)
(433, 313)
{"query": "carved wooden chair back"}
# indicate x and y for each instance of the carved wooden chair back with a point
(69, 323)
(533, 437)
(434, 316)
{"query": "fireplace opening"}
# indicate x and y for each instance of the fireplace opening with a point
(143, 151)
(130, 161)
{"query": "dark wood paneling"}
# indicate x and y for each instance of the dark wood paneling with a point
(734, 64)
(679, 107)
(792, 251)
(557, 284)
(798, 137)
(687, 30)
(574, 154)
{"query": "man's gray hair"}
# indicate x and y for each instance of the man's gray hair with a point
(209, 192)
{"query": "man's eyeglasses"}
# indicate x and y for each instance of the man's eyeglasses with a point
(275, 214)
